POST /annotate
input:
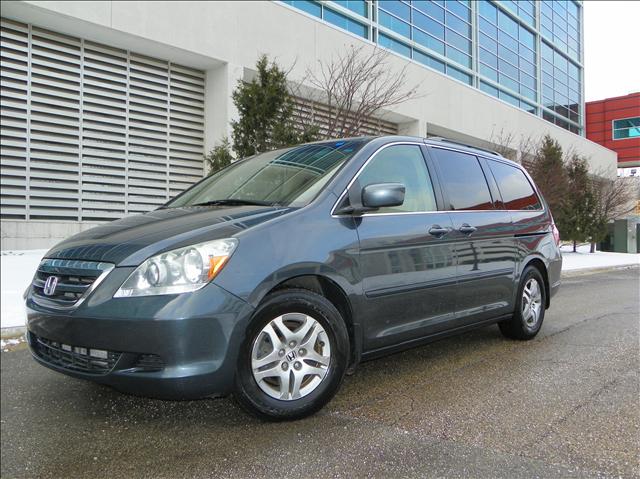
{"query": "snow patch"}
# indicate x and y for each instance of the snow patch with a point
(6, 343)
(582, 259)
(17, 270)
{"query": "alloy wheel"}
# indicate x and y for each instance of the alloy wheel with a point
(531, 303)
(290, 356)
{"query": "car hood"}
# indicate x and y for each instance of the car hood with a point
(131, 240)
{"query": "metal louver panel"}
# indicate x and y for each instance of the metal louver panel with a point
(313, 112)
(91, 132)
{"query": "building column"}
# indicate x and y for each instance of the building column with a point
(219, 109)
(413, 128)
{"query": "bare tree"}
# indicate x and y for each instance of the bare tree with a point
(521, 149)
(613, 199)
(356, 85)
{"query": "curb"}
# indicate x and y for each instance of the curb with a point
(600, 269)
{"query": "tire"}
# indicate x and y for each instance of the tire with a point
(526, 322)
(306, 385)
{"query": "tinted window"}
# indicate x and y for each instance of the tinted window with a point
(402, 164)
(463, 181)
(516, 191)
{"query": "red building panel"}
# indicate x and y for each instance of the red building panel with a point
(600, 116)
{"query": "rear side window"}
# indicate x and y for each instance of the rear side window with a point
(402, 164)
(463, 180)
(517, 193)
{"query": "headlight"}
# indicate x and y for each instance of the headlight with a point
(178, 271)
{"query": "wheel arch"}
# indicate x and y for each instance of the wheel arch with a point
(330, 289)
(542, 268)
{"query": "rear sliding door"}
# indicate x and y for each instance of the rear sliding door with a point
(482, 235)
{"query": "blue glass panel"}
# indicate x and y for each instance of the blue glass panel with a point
(459, 9)
(528, 19)
(528, 92)
(488, 11)
(507, 24)
(527, 7)
(357, 6)
(429, 61)
(458, 75)
(488, 72)
(507, 82)
(507, 68)
(458, 57)
(491, 90)
(546, 52)
(572, 7)
(488, 28)
(488, 58)
(458, 41)
(393, 44)
(399, 9)
(428, 41)
(488, 43)
(528, 68)
(308, 6)
(428, 24)
(430, 8)
(560, 62)
(510, 5)
(507, 55)
(527, 54)
(342, 21)
(573, 71)
(394, 24)
(509, 99)
(527, 38)
(507, 40)
(528, 107)
(460, 26)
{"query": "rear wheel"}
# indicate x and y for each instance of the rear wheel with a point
(294, 356)
(530, 307)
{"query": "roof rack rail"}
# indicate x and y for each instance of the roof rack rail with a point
(456, 142)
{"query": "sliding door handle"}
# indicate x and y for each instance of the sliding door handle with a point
(467, 229)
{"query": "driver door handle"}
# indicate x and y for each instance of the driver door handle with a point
(467, 229)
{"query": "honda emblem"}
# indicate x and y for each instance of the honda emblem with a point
(50, 285)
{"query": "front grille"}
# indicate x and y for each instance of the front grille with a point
(150, 362)
(74, 358)
(74, 280)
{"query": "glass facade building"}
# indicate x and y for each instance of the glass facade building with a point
(526, 53)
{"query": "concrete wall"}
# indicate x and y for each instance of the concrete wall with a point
(226, 38)
(22, 235)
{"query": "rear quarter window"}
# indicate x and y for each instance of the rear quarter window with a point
(516, 190)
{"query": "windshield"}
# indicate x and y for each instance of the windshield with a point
(287, 177)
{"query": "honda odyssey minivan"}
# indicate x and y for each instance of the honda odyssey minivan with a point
(270, 279)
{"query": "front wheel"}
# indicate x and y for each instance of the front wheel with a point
(530, 307)
(294, 356)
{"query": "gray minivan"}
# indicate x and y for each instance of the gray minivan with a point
(273, 277)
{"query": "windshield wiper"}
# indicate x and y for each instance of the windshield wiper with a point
(233, 202)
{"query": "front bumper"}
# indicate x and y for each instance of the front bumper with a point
(192, 338)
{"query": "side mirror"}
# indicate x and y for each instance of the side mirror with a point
(382, 195)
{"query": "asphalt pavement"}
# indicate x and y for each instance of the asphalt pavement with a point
(566, 404)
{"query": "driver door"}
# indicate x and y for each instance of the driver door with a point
(407, 263)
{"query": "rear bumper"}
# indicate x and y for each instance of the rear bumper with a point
(193, 337)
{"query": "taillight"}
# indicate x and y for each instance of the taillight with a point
(556, 233)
